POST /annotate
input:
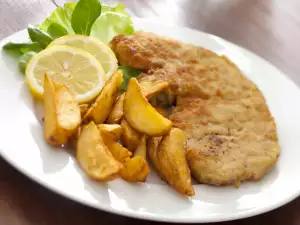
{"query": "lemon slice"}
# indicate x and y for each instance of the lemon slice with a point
(101, 51)
(78, 70)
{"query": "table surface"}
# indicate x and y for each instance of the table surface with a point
(270, 28)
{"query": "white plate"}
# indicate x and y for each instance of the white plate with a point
(23, 146)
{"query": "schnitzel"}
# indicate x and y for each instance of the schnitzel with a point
(190, 70)
(231, 135)
(228, 140)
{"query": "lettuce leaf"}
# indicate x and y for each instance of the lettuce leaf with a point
(111, 22)
(128, 72)
(61, 16)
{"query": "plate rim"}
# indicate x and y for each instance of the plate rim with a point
(109, 209)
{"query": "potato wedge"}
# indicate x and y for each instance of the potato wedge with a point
(94, 157)
(152, 145)
(151, 88)
(103, 105)
(162, 111)
(114, 129)
(141, 149)
(116, 114)
(167, 155)
(117, 150)
(130, 137)
(83, 109)
(135, 169)
(141, 115)
(62, 113)
(172, 161)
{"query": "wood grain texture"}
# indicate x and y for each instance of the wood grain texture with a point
(270, 28)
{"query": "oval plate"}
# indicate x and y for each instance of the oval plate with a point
(23, 146)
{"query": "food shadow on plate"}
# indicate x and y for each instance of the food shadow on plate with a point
(10, 62)
(97, 189)
(35, 106)
(53, 160)
(119, 194)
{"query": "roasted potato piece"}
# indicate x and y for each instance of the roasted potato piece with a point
(162, 111)
(117, 150)
(83, 109)
(141, 149)
(170, 160)
(114, 129)
(141, 115)
(94, 157)
(152, 145)
(151, 88)
(103, 105)
(135, 169)
(62, 113)
(130, 137)
(116, 114)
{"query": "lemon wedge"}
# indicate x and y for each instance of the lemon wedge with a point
(78, 70)
(101, 51)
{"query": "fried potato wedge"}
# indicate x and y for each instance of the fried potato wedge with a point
(94, 157)
(117, 150)
(141, 115)
(130, 137)
(151, 88)
(114, 129)
(169, 159)
(103, 105)
(135, 169)
(152, 145)
(173, 162)
(141, 149)
(116, 114)
(83, 109)
(62, 113)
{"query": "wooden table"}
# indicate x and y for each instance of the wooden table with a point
(270, 28)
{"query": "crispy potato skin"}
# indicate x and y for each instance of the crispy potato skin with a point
(141, 149)
(117, 113)
(152, 88)
(149, 89)
(141, 115)
(114, 129)
(170, 159)
(94, 157)
(130, 137)
(103, 105)
(135, 169)
(62, 113)
(117, 150)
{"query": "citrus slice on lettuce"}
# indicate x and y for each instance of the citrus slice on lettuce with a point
(77, 69)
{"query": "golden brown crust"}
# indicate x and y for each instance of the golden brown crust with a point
(228, 140)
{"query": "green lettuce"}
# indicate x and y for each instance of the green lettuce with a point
(128, 72)
(112, 21)
(61, 16)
